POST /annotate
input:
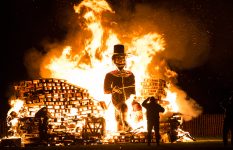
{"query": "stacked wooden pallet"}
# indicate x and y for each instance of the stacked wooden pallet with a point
(69, 104)
(153, 87)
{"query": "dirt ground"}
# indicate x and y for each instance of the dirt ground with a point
(199, 144)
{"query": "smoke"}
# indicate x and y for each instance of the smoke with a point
(32, 60)
(35, 60)
(187, 46)
(187, 41)
(187, 106)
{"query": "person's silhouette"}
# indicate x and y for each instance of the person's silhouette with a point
(152, 113)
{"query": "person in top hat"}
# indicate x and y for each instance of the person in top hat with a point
(121, 84)
(152, 113)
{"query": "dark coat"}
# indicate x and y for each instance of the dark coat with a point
(228, 108)
(152, 110)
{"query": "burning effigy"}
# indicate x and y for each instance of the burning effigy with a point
(69, 97)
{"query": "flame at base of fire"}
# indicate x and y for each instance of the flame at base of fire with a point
(77, 114)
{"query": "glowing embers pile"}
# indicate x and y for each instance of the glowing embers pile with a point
(69, 106)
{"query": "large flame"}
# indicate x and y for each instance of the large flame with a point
(88, 67)
(87, 64)
(90, 74)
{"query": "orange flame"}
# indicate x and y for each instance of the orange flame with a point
(91, 75)
(88, 67)
(97, 50)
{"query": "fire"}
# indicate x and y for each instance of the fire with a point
(16, 106)
(88, 67)
(13, 115)
(172, 106)
(70, 67)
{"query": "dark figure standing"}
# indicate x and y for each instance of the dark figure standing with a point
(228, 120)
(121, 84)
(43, 115)
(152, 113)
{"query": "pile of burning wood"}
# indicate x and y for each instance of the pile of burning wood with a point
(75, 115)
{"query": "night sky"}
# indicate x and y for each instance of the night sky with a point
(29, 22)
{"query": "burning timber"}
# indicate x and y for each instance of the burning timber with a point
(75, 113)
(74, 116)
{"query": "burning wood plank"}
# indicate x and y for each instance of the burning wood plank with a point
(66, 102)
(153, 87)
(75, 112)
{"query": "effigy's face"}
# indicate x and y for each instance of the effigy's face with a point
(120, 61)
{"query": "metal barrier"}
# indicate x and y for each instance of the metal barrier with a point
(206, 125)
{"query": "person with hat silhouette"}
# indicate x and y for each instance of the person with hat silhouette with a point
(121, 84)
(153, 108)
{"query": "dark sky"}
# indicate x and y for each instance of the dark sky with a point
(28, 22)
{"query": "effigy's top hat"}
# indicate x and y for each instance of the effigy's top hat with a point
(119, 49)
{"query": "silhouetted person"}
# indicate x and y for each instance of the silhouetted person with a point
(121, 84)
(228, 120)
(152, 113)
(43, 115)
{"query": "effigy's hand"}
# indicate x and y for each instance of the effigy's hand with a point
(116, 89)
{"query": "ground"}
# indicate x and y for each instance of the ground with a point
(199, 144)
